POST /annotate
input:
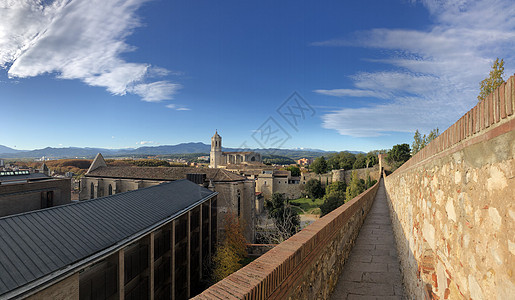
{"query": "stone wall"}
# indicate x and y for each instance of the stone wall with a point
(452, 207)
(228, 203)
(307, 265)
(362, 173)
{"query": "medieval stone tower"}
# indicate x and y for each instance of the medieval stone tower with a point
(215, 157)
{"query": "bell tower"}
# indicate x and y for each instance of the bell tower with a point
(215, 157)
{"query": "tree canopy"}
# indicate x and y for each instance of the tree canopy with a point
(319, 166)
(420, 141)
(295, 171)
(313, 188)
(334, 197)
(398, 155)
(493, 81)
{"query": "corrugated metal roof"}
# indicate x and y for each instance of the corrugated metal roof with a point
(35, 244)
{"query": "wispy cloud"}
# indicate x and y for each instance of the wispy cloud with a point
(145, 143)
(80, 40)
(156, 91)
(351, 93)
(434, 74)
(176, 107)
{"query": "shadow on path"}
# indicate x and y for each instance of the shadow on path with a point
(373, 270)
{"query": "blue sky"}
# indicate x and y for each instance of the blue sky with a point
(126, 73)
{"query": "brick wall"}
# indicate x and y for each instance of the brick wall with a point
(452, 207)
(307, 265)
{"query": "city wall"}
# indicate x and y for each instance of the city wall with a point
(307, 265)
(452, 207)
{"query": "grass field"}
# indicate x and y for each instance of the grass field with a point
(306, 206)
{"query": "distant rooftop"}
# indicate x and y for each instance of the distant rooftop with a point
(21, 176)
(43, 244)
(163, 173)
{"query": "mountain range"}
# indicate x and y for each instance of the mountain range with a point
(184, 148)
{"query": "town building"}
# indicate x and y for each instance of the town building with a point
(304, 161)
(236, 192)
(22, 191)
(145, 244)
(219, 159)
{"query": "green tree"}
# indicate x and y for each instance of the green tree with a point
(319, 166)
(371, 159)
(334, 197)
(355, 187)
(432, 135)
(295, 171)
(313, 188)
(336, 187)
(493, 81)
(398, 155)
(360, 161)
(331, 202)
(420, 141)
(333, 162)
(347, 160)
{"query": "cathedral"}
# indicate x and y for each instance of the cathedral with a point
(219, 159)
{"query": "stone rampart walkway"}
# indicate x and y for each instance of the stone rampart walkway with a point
(372, 271)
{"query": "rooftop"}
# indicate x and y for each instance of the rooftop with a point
(38, 246)
(163, 173)
(6, 176)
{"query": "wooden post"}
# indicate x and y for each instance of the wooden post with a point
(172, 260)
(188, 255)
(151, 265)
(201, 223)
(121, 274)
(210, 228)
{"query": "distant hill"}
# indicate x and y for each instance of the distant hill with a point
(4, 149)
(184, 148)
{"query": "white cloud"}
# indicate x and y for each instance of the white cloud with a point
(156, 91)
(80, 40)
(174, 106)
(434, 74)
(351, 93)
(145, 142)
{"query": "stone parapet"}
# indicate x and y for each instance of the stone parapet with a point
(452, 207)
(307, 265)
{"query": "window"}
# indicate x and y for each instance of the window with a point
(99, 281)
(110, 190)
(47, 199)
(136, 261)
(92, 191)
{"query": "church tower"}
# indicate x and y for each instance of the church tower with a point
(215, 157)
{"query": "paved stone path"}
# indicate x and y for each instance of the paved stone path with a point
(372, 271)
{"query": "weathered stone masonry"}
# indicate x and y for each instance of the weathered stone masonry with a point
(452, 207)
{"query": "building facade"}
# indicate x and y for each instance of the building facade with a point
(22, 191)
(236, 193)
(150, 243)
(219, 159)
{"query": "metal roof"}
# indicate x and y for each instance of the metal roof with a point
(35, 244)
